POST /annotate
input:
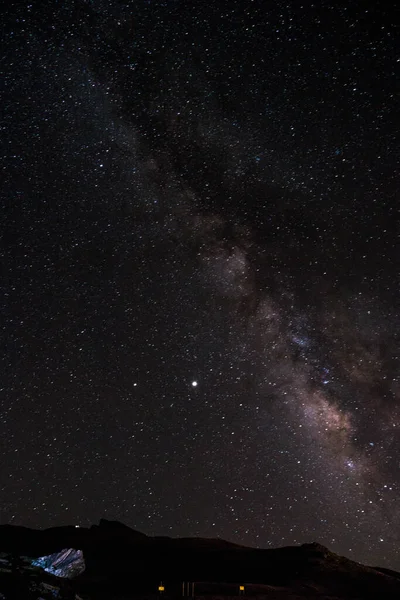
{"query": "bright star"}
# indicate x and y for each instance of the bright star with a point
(194, 383)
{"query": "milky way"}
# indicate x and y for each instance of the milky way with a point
(200, 301)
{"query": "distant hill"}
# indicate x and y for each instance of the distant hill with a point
(123, 563)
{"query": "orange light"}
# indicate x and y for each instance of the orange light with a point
(241, 588)
(161, 588)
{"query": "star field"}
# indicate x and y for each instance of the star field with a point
(199, 300)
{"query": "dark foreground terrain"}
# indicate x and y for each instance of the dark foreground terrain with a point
(116, 562)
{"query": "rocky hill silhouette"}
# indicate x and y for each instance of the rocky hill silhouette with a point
(120, 563)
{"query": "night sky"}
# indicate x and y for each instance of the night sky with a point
(199, 289)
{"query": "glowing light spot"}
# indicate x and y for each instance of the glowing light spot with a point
(194, 383)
